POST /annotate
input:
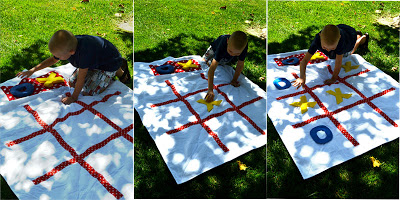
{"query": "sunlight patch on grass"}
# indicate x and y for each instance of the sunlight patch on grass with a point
(390, 168)
(372, 179)
(344, 175)
(341, 193)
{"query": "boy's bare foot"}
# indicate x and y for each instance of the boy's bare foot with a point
(362, 42)
(123, 73)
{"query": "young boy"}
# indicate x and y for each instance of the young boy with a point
(336, 42)
(222, 51)
(97, 61)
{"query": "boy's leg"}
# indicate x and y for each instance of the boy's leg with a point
(73, 78)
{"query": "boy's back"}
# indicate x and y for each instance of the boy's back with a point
(94, 52)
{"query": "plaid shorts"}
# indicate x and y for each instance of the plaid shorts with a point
(209, 55)
(96, 81)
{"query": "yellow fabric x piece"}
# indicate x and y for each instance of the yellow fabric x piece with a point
(187, 65)
(210, 105)
(48, 82)
(347, 66)
(375, 162)
(303, 104)
(338, 94)
(317, 55)
(242, 166)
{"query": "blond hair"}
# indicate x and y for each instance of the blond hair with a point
(62, 41)
(238, 39)
(330, 34)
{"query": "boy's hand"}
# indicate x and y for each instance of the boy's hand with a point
(68, 100)
(209, 96)
(329, 81)
(25, 74)
(299, 82)
(235, 83)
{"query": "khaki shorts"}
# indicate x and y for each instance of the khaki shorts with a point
(96, 81)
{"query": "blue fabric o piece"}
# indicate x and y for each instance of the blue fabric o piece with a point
(22, 90)
(165, 69)
(287, 83)
(291, 61)
(318, 140)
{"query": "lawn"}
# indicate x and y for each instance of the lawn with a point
(26, 27)
(292, 26)
(179, 28)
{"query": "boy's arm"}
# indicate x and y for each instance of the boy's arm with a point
(46, 63)
(78, 87)
(210, 94)
(335, 75)
(303, 64)
(239, 69)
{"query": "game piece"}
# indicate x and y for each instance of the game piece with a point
(210, 105)
(22, 90)
(316, 56)
(165, 69)
(187, 65)
(347, 67)
(291, 61)
(50, 80)
(284, 80)
(303, 104)
(317, 139)
(338, 94)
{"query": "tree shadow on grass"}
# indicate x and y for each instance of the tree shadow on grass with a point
(389, 45)
(25, 59)
(294, 42)
(127, 38)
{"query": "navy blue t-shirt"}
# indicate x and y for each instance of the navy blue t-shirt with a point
(94, 52)
(220, 45)
(348, 38)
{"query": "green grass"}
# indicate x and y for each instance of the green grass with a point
(164, 28)
(292, 26)
(26, 26)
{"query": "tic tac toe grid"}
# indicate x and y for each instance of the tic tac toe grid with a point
(200, 121)
(121, 132)
(330, 114)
